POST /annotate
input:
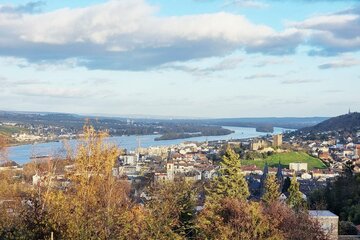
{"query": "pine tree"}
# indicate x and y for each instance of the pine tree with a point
(295, 199)
(271, 190)
(230, 182)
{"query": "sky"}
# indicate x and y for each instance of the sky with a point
(188, 58)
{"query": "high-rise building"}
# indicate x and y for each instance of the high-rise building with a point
(277, 140)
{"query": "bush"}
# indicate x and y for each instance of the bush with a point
(347, 228)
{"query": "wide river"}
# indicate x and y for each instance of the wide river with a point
(21, 154)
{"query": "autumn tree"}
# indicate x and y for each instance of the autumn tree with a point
(271, 193)
(172, 210)
(13, 191)
(292, 224)
(94, 205)
(3, 150)
(236, 219)
(231, 181)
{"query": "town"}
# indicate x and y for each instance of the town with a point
(179, 120)
(314, 164)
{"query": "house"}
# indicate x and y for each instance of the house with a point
(318, 173)
(208, 173)
(298, 166)
(128, 159)
(328, 221)
(258, 144)
(36, 179)
(160, 177)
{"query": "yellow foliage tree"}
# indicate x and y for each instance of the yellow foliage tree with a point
(95, 204)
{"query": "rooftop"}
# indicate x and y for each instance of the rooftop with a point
(321, 213)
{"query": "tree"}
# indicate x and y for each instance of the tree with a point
(95, 204)
(236, 219)
(3, 150)
(341, 197)
(271, 190)
(295, 199)
(230, 182)
(294, 225)
(172, 210)
(12, 194)
(347, 228)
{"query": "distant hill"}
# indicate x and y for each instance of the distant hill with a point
(349, 122)
(268, 122)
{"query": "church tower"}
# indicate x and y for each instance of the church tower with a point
(280, 177)
(263, 179)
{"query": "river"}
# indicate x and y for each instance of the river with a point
(21, 154)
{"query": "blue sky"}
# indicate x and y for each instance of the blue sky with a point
(193, 58)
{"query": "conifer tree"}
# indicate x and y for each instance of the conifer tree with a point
(230, 182)
(295, 199)
(271, 190)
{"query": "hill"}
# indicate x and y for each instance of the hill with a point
(268, 122)
(287, 158)
(348, 122)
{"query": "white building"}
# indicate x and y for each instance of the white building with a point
(298, 166)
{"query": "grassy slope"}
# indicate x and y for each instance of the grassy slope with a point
(285, 159)
(7, 131)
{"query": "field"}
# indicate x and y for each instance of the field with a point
(285, 159)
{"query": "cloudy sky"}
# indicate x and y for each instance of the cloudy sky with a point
(194, 58)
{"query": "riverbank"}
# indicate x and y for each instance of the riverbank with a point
(21, 154)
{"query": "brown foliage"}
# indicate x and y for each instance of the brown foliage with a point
(237, 219)
(294, 225)
(3, 151)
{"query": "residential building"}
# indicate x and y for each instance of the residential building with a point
(298, 167)
(328, 221)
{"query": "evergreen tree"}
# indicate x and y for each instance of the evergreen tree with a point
(295, 199)
(230, 182)
(271, 190)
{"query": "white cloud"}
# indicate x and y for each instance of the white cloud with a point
(332, 33)
(225, 64)
(54, 92)
(341, 63)
(245, 4)
(128, 34)
(300, 81)
(261, 75)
